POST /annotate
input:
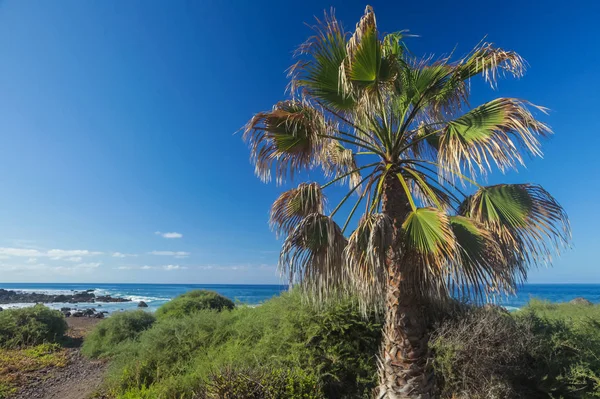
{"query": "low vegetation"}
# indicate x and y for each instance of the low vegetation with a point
(28, 343)
(194, 301)
(287, 348)
(120, 327)
(290, 347)
(31, 326)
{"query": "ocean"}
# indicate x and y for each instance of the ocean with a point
(157, 294)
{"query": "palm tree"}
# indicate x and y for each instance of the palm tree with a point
(400, 130)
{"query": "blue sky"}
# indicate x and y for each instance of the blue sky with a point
(117, 123)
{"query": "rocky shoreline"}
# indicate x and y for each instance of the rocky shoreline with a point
(8, 296)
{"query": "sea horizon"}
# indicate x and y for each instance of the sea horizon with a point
(156, 294)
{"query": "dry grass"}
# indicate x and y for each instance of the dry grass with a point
(17, 366)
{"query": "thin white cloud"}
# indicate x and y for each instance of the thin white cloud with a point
(174, 267)
(122, 255)
(32, 260)
(62, 253)
(29, 253)
(177, 254)
(91, 265)
(173, 234)
(54, 254)
(147, 267)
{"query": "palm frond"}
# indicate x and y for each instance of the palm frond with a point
(491, 62)
(365, 257)
(318, 70)
(496, 131)
(430, 245)
(287, 137)
(481, 268)
(294, 205)
(529, 224)
(312, 255)
(338, 161)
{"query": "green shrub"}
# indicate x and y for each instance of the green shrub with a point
(193, 301)
(31, 326)
(113, 331)
(180, 357)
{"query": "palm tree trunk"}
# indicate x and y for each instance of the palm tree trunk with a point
(404, 370)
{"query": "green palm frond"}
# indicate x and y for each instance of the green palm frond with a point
(430, 245)
(294, 205)
(288, 136)
(496, 131)
(481, 267)
(312, 254)
(366, 255)
(318, 71)
(364, 53)
(526, 220)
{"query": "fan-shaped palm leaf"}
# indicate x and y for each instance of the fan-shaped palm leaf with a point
(526, 220)
(490, 61)
(430, 245)
(481, 266)
(312, 254)
(497, 131)
(365, 257)
(294, 205)
(339, 161)
(288, 136)
(318, 72)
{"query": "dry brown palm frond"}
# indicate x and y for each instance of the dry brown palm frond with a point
(528, 223)
(312, 255)
(294, 205)
(338, 161)
(365, 257)
(496, 131)
(491, 62)
(288, 136)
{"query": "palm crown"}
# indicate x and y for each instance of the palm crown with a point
(399, 130)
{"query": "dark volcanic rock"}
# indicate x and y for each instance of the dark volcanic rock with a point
(108, 298)
(9, 296)
(77, 314)
(581, 301)
(142, 304)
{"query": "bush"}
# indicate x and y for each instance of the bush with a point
(180, 357)
(112, 332)
(543, 351)
(31, 326)
(262, 384)
(194, 301)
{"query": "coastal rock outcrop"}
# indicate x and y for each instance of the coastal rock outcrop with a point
(581, 301)
(9, 296)
(142, 304)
